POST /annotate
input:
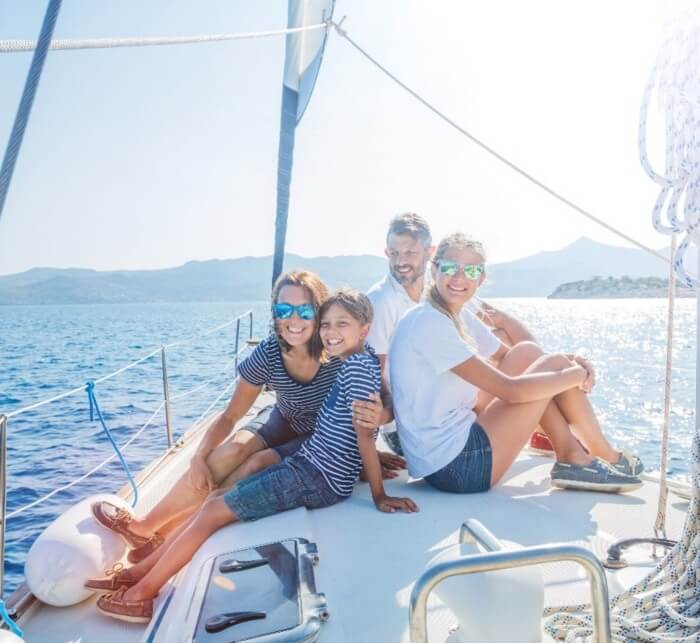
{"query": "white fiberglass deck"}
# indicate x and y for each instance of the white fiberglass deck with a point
(369, 561)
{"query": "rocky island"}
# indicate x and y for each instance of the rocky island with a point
(617, 288)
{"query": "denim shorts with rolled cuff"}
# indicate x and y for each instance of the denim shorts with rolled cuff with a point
(293, 483)
(470, 471)
(275, 432)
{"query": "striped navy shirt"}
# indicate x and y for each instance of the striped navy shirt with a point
(333, 446)
(298, 403)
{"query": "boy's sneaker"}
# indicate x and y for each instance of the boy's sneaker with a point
(596, 476)
(629, 464)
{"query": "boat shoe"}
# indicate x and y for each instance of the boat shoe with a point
(629, 464)
(115, 578)
(115, 606)
(137, 554)
(117, 520)
(596, 476)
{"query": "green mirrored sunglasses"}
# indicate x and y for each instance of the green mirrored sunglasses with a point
(449, 268)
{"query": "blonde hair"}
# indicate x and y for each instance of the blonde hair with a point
(433, 296)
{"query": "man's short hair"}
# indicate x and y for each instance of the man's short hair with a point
(412, 225)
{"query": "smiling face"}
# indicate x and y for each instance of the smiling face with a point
(342, 334)
(294, 330)
(407, 258)
(457, 290)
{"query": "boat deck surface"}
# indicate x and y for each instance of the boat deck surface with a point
(369, 561)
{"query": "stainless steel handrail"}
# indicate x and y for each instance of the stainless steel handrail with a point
(496, 559)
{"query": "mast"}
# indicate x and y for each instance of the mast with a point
(304, 52)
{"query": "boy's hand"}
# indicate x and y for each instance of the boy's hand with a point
(366, 414)
(391, 464)
(389, 504)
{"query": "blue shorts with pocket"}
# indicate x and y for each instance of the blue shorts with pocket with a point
(293, 483)
(275, 432)
(470, 471)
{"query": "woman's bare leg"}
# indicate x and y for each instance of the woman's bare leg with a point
(509, 425)
(183, 499)
(572, 406)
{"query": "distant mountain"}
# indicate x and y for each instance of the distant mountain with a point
(248, 278)
(540, 274)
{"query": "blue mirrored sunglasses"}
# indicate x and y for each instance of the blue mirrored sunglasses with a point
(471, 270)
(285, 311)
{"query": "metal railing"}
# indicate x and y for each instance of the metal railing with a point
(497, 557)
(165, 404)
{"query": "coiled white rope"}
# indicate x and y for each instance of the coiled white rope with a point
(665, 605)
(675, 81)
(15, 46)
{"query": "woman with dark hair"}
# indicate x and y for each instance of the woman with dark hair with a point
(291, 362)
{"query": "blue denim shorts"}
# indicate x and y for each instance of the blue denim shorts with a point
(275, 432)
(293, 483)
(470, 471)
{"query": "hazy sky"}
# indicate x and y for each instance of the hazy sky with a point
(150, 157)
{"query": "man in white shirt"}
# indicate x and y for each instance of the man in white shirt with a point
(408, 249)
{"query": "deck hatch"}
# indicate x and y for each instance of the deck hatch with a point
(274, 581)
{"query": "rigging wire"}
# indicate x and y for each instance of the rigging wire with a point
(17, 46)
(27, 100)
(343, 33)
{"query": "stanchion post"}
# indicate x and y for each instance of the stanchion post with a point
(166, 397)
(236, 343)
(250, 324)
(3, 498)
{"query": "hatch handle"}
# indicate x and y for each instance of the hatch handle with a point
(229, 619)
(229, 566)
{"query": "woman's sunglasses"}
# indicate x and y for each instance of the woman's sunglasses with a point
(471, 270)
(285, 311)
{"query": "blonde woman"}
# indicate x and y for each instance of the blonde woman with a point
(440, 359)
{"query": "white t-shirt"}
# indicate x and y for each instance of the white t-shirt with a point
(389, 302)
(432, 405)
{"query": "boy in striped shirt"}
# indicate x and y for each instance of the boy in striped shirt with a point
(323, 472)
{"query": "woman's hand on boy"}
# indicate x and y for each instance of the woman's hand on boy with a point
(367, 414)
(390, 504)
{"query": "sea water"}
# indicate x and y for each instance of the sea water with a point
(45, 350)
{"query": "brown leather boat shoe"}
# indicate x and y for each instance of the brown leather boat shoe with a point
(115, 606)
(115, 578)
(117, 520)
(137, 554)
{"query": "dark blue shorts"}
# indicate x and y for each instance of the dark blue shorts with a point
(287, 485)
(470, 471)
(275, 432)
(392, 440)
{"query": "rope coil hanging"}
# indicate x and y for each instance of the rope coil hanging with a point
(665, 605)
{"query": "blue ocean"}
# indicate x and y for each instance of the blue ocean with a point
(45, 350)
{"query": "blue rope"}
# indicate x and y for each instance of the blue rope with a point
(27, 100)
(95, 408)
(14, 628)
